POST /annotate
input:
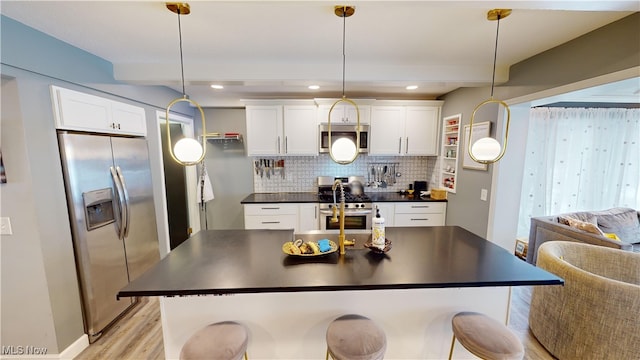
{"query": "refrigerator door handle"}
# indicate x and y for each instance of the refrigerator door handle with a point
(121, 204)
(126, 201)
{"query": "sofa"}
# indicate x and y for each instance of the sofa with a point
(594, 315)
(590, 227)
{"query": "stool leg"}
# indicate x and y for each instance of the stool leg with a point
(327, 356)
(453, 342)
(245, 356)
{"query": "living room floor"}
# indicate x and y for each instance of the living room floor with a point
(138, 335)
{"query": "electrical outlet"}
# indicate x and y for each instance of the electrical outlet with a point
(5, 226)
(483, 194)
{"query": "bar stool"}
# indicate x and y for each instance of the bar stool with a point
(352, 337)
(225, 340)
(485, 337)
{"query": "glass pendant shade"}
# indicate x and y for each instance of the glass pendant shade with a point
(344, 150)
(486, 149)
(188, 150)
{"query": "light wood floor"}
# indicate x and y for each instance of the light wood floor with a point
(138, 335)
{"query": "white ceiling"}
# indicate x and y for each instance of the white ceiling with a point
(275, 49)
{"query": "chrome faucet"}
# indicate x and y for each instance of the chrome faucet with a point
(334, 218)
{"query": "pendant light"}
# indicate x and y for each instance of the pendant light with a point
(487, 150)
(187, 151)
(344, 151)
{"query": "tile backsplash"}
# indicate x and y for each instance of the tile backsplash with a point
(301, 172)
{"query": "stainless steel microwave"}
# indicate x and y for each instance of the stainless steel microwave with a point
(342, 131)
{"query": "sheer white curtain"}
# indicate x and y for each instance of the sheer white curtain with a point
(580, 159)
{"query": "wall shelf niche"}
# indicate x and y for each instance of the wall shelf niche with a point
(450, 152)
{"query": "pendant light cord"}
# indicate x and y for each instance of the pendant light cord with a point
(184, 93)
(344, 26)
(495, 56)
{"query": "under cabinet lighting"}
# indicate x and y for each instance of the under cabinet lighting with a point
(217, 87)
(411, 87)
(314, 87)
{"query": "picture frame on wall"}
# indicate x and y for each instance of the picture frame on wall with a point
(480, 130)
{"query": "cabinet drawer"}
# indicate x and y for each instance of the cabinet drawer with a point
(271, 222)
(420, 208)
(419, 219)
(271, 209)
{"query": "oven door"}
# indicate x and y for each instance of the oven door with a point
(353, 220)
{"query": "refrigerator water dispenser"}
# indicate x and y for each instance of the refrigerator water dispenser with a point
(98, 208)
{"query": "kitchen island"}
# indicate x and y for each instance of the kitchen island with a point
(287, 302)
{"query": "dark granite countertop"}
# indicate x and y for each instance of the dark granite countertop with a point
(251, 261)
(308, 197)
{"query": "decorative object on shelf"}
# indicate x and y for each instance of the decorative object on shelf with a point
(187, 151)
(480, 131)
(344, 151)
(487, 150)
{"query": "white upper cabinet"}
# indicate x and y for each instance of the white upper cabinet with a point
(344, 114)
(74, 110)
(300, 130)
(387, 130)
(278, 130)
(264, 129)
(404, 130)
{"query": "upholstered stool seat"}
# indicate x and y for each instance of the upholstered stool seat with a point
(225, 340)
(355, 337)
(485, 337)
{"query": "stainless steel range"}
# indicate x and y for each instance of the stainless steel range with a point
(358, 212)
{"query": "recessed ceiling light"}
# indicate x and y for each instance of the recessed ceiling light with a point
(411, 87)
(314, 87)
(216, 86)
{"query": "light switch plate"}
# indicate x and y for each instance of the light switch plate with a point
(5, 226)
(483, 194)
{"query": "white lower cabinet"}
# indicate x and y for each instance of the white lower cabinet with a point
(300, 217)
(387, 211)
(420, 214)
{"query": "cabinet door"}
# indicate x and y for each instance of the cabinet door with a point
(300, 130)
(351, 115)
(421, 131)
(387, 211)
(129, 119)
(264, 130)
(308, 217)
(387, 130)
(78, 111)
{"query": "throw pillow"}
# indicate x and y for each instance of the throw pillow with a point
(580, 216)
(621, 221)
(585, 226)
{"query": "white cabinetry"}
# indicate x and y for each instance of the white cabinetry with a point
(281, 130)
(450, 152)
(343, 113)
(404, 130)
(387, 211)
(300, 217)
(270, 216)
(308, 217)
(420, 214)
(74, 110)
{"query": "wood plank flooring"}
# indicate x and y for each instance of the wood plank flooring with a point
(138, 335)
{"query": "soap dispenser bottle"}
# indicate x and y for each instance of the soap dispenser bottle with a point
(377, 230)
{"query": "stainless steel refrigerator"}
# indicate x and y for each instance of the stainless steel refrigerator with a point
(110, 201)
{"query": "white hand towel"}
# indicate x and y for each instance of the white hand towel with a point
(205, 190)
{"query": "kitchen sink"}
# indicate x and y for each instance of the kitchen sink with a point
(360, 236)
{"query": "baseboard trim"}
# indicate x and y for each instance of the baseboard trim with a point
(76, 348)
(69, 353)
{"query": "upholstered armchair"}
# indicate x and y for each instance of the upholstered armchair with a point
(596, 314)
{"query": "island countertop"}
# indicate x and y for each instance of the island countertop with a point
(251, 261)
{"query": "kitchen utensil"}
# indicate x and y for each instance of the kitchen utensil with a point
(383, 183)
